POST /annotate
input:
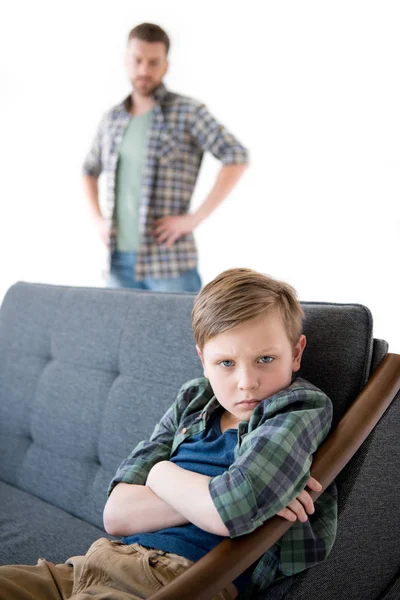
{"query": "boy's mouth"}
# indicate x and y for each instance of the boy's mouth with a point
(252, 402)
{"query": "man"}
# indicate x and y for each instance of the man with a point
(150, 148)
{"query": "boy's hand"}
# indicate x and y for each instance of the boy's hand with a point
(302, 505)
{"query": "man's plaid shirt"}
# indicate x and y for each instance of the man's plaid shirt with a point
(272, 465)
(182, 130)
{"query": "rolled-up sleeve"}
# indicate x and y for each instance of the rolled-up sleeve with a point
(273, 465)
(136, 467)
(93, 162)
(213, 137)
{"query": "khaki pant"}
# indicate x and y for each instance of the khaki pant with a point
(109, 571)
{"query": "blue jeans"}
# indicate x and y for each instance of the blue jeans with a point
(122, 275)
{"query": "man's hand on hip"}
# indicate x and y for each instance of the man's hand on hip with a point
(168, 229)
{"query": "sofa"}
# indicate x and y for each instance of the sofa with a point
(84, 375)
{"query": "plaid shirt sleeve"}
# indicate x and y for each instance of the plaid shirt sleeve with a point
(212, 136)
(273, 463)
(136, 467)
(93, 165)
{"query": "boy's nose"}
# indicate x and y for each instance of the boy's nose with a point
(247, 380)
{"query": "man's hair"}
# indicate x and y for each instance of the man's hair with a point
(238, 295)
(148, 32)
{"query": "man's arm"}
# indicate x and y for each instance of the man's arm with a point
(168, 229)
(91, 188)
(209, 135)
(92, 168)
(134, 509)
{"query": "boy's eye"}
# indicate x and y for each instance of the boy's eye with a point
(226, 363)
(265, 359)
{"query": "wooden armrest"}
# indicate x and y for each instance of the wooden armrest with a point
(230, 558)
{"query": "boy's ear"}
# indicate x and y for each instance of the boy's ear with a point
(298, 352)
(201, 358)
(200, 354)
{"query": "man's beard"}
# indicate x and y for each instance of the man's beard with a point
(145, 87)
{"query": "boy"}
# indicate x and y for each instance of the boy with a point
(233, 450)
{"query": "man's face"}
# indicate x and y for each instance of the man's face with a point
(249, 363)
(146, 64)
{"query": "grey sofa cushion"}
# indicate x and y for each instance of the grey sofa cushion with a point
(338, 360)
(85, 374)
(31, 528)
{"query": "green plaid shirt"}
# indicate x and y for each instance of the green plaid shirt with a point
(272, 465)
(182, 130)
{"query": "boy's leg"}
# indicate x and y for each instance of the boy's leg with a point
(44, 581)
(119, 571)
(109, 570)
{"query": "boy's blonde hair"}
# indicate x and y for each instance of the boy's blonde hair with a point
(238, 295)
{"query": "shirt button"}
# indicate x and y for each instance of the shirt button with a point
(183, 430)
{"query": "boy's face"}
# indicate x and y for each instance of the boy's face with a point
(249, 363)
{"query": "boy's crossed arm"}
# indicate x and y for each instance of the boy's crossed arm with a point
(188, 493)
(174, 496)
(133, 508)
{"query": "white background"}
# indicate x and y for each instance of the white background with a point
(310, 87)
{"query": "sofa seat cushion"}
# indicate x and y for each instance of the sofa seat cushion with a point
(31, 528)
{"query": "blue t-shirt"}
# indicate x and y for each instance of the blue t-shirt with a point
(210, 453)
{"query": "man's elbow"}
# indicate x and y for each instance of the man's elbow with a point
(241, 158)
